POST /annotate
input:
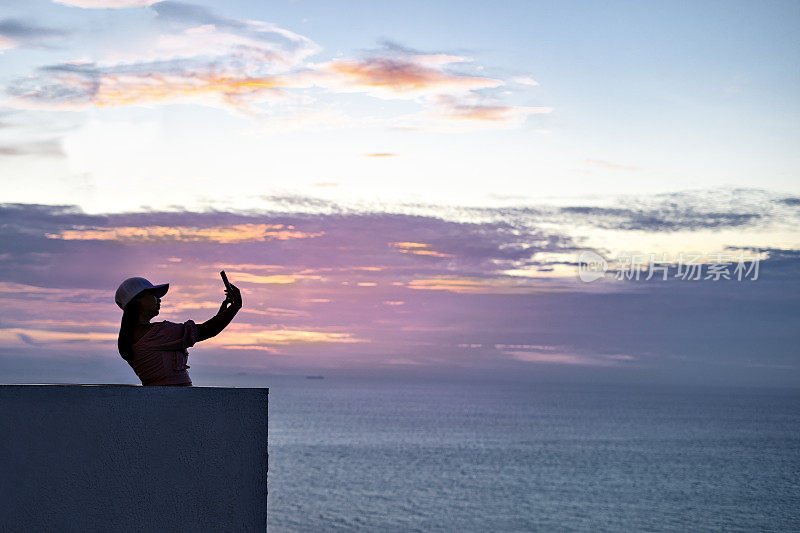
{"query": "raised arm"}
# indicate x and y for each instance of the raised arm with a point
(215, 324)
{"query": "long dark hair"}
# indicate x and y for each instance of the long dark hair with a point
(130, 316)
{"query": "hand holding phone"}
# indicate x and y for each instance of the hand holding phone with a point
(232, 293)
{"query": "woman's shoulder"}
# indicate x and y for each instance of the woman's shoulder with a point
(143, 329)
(150, 325)
(140, 330)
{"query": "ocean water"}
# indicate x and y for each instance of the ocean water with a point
(382, 455)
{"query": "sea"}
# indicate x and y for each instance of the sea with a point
(356, 454)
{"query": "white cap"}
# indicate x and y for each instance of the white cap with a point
(131, 287)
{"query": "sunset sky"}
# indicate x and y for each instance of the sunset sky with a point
(402, 187)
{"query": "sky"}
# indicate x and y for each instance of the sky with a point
(404, 188)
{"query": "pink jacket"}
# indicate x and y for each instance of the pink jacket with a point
(160, 356)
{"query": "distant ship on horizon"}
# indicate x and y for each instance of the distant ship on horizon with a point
(315, 377)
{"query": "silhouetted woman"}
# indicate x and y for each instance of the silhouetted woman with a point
(157, 352)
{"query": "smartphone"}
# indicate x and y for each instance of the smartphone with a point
(225, 279)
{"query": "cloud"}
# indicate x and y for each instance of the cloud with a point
(451, 108)
(451, 100)
(27, 218)
(630, 219)
(525, 80)
(464, 285)
(200, 32)
(194, 55)
(450, 113)
(349, 299)
(417, 248)
(404, 76)
(27, 339)
(15, 33)
(254, 338)
(259, 69)
(220, 234)
(275, 279)
(50, 147)
(693, 211)
(74, 87)
(13, 336)
(561, 359)
(6, 44)
(356, 247)
(106, 4)
(497, 113)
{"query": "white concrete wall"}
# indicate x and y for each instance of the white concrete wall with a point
(132, 458)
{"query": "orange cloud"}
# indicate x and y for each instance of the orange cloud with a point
(81, 324)
(211, 59)
(412, 75)
(417, 248)
(277, 279)
(278, 312)
(220, 234)
(247, 266)
(410, 244)
(237, 65)
(153, 87)
(183, 305)
(139, 86)
(250, 347)
(465, 285)
(247, 338)
(220, 61)
(15, 337)
(454, 113)
(382, 154)
(498, 113)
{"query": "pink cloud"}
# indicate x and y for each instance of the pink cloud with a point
(408, 76)
(194, 55)
(220, 234)
(462, 313)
